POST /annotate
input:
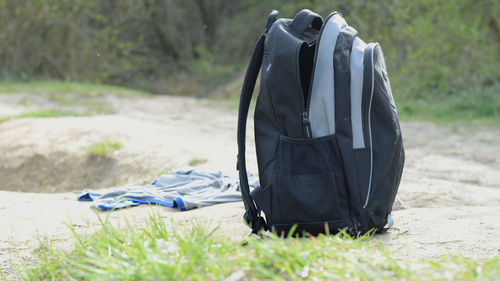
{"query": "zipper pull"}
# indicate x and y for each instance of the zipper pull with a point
(306, 123)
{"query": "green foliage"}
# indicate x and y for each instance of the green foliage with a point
(105, 148)
(435, 49)
(104, 41)
(158, 251)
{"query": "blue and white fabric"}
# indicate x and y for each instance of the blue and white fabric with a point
(184, 189)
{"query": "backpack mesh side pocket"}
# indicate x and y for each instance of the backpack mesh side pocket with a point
(308, 187)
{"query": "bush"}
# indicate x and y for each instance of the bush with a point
(433, 48)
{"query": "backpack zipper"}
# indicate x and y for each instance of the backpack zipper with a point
(307, 124)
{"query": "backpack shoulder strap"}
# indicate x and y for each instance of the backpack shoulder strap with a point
(252, 216)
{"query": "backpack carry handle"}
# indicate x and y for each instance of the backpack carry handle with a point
(304, 19)
(270, 20)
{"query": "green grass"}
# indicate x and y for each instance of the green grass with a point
(484, 109)
(83, 89)
(163, 252)
(197, 161)
(87, 99)
(104, 148)
(40, 114)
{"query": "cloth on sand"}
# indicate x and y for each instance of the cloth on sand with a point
(184, 188)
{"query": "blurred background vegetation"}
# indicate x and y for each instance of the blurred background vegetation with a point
(443, 55)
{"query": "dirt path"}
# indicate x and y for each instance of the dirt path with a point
(449, 195)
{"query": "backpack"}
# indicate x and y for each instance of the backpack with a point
(328, 141)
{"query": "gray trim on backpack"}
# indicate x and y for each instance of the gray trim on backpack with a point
(357, 57)
(322, 104)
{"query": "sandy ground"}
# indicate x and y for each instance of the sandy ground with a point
(449, 198)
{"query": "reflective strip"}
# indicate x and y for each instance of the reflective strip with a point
(322, 104)
(372, 47)
(357, 56)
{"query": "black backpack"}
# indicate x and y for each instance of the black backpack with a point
(327, 135)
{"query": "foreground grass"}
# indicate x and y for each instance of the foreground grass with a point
(161, 252)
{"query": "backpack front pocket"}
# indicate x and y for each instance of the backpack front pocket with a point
(308, 182)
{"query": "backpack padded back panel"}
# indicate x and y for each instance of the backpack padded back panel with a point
(328, 141)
